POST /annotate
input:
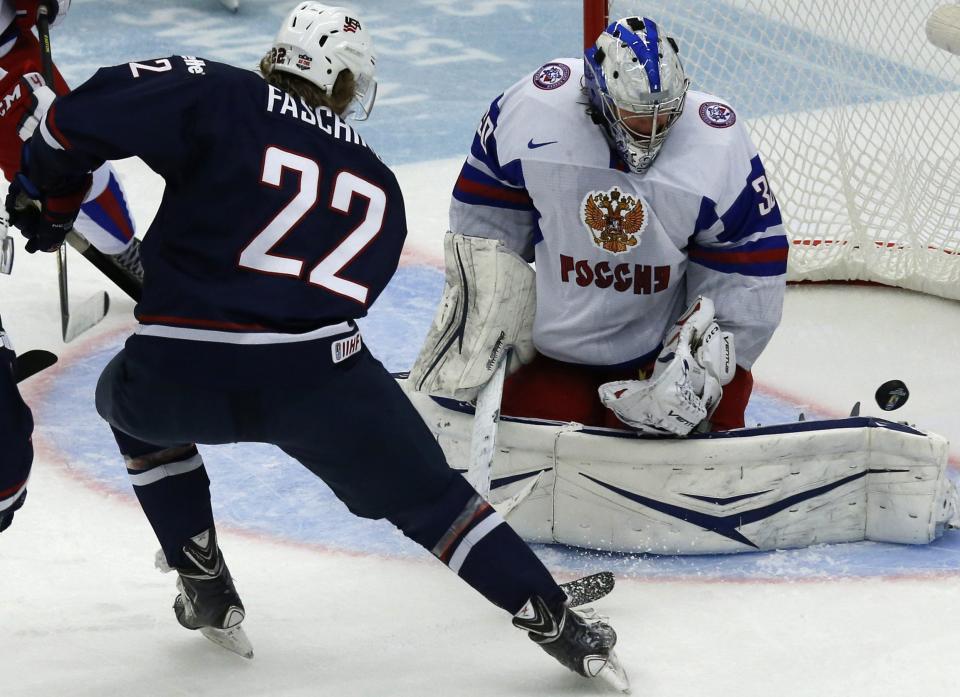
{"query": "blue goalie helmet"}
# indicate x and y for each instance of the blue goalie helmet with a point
(636, 86)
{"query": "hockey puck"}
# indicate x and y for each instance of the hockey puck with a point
(892, 394)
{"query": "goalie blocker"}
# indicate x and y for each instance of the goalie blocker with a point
(487, 307)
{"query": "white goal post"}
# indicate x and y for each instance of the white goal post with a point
(857, 118)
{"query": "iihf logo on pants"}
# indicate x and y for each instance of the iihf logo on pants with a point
(344, 348)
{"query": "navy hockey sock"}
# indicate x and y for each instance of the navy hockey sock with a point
(463, 531)
(172, 486)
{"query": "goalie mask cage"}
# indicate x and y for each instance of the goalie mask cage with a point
(856, 117)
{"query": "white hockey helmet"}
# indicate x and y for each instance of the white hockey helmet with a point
(635, 70)
(318, 41)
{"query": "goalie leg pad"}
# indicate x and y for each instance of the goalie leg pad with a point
(487, 307)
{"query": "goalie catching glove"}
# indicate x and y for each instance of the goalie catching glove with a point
(488, 305)
(697, 360)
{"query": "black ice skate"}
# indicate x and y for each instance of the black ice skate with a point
(579, 639)
(208, 600)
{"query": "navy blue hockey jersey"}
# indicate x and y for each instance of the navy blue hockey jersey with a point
(276, 219)
(16, 425)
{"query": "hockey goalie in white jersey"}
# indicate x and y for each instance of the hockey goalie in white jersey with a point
(634, 197)
(660, 260)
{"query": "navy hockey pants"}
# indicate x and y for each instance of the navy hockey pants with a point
(352, 426)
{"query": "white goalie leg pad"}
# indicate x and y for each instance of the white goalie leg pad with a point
(487, 307)
(769, 488)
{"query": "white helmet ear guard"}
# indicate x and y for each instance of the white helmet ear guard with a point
(634, 70)
(317, 42)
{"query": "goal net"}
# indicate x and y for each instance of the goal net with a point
(857, 119)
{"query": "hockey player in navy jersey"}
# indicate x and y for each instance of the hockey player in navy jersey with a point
(659, 248)
(16, 425)
(278, 228)
(104, 218)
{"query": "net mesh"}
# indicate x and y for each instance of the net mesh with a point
(857, 119)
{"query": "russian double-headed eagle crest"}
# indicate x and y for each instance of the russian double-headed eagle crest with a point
(615, 220)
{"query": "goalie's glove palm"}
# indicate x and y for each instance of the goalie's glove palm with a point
(697, 360)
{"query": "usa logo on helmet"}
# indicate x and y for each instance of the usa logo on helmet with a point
(551, 76)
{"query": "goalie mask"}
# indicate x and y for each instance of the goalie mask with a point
(637, 86)
(317, 42)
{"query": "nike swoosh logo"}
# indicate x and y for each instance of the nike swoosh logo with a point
(533, 145)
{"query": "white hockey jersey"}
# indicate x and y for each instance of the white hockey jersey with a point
(620, 255)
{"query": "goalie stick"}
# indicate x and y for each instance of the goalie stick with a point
(486, 420)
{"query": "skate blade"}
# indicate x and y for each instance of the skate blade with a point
(610, 671)
(233, 639)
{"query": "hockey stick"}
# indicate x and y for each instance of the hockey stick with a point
(105, 265)
(89, 312)
(588, 589)
(6, 246)
(483, 441)
(486, 420)
(32, 362)
(95, 308)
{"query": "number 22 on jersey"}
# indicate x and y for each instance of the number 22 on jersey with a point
(257, 254)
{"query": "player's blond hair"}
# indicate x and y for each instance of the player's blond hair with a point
(344, 88)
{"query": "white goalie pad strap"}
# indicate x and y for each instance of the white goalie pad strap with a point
(488, 306)
(748, 490)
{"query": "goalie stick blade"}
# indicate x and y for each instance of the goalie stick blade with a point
(31, 363)
(486, 419)
(588, 589)
(88, 314)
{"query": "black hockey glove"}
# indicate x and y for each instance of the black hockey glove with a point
(44, 218)
(6, 518)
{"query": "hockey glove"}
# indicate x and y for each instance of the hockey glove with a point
(6, 516)
(696, 361)
(40, 98)
(56, 10)
(44, 219)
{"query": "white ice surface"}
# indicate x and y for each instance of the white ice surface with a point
(83, 612)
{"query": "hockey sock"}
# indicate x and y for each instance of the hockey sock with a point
(172, 486)
(463, 531)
